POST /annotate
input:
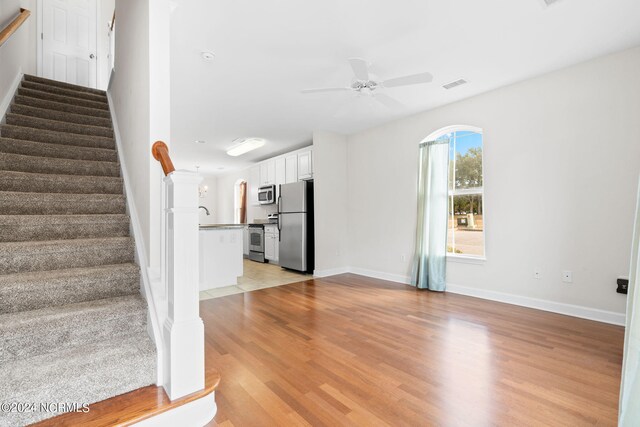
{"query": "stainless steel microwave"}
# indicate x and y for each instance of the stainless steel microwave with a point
(267, 195)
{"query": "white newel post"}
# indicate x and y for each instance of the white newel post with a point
(183, 330)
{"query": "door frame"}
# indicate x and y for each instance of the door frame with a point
(39, 29)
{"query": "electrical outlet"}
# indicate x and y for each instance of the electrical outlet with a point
(567, 276)
(536, 273)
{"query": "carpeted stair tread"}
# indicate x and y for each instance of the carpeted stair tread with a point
(61, 116)
(57, 151)
(47, 165)
(73, 325)
(23, 228)
(18, 257)
(48, 183)
(58, 90)
(60, 106)
(53, 137)
(54, 125)
(34, 332)
(87, 374)
(77, 88)
(19, 203)
(61, 98)
(39, 289)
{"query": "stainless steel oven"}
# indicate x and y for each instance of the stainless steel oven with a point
(256, 242)
(267, 195)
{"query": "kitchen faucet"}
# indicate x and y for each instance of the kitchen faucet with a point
(205, 209)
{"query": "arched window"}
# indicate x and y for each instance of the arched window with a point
(465, 236)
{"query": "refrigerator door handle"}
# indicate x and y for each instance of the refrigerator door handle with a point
(279, 229)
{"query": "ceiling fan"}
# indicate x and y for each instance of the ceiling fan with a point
(365, 83)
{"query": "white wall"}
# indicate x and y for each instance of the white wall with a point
(210, 200)
(16, 55)
(561, 157)
(331, 200)
(129, 92)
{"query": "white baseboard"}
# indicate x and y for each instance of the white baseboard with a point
(540, 304)
(8, 97)
(330, 272)
(195, 413)
(154, 315)
(405, 280)
(590, 313)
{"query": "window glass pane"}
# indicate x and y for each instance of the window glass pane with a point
(451, 230)
(468, 225)
(468, 160)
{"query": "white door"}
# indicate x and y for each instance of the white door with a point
(69, 41)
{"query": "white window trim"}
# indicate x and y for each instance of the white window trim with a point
(463, 258)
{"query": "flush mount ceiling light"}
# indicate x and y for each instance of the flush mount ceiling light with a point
(207, 56)
(245, 145)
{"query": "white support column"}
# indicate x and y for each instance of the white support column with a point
(183, 330)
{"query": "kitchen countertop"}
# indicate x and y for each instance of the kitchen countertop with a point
(221, 226)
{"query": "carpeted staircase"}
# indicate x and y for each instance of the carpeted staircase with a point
(72, 320)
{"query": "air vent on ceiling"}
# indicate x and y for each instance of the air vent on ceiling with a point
(455, 84)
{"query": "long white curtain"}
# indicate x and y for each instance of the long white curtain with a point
(430, 258)
(629, 414)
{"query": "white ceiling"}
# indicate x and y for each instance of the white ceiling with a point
(268, 50)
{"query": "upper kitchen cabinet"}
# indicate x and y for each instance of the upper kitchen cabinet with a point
(291, 168)
(305, 165)
(268, 173)
(281, 172)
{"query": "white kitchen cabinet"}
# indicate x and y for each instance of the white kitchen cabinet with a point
(245, 241)
(281, 171)
(268, 173)
(305, 165)
(271, 243)
(269, 247)
(254, 184)
(291, 168)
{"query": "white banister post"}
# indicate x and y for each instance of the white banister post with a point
(183, 330)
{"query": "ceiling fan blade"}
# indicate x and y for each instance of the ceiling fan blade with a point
(388, 101)
(360, 68)
(327, 89)
(412, 79)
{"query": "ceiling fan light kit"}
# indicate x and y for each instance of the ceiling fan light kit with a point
(366, 84)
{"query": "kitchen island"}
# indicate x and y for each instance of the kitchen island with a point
(220, 255)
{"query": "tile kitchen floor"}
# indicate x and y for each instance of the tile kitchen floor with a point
(256, 276)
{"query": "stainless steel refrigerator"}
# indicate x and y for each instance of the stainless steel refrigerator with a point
(295, 223)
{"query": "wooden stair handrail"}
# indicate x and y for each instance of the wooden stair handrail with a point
(14, 25)
(160, 152)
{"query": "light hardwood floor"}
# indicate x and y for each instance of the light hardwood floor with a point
(350, 350)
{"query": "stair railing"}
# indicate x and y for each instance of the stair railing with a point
(14, 25)
(183, 330)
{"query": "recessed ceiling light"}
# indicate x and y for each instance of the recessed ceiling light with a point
(207, 55)
(245, 145)
(200, 141)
